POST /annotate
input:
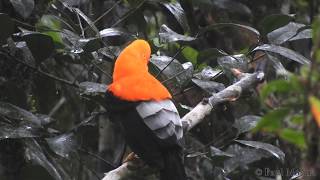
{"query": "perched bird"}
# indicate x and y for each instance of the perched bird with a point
(143, 106)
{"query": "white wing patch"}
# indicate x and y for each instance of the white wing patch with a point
(162, 117)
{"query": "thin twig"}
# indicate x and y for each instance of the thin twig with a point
(104, 14)
(164, 81)
(97, 157)
(128, 14)
(80, 24)
(101, 70)
(172, 59)
(50, 76)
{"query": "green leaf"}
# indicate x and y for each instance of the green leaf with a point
(7, 27)
(293, 136)
(190, 54)
(297, 119)
(210, 54)
(274, 21)
(49, 22)
(272, 121)
(316, 30)
(279, 86)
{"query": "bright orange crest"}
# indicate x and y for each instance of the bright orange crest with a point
(131, 79)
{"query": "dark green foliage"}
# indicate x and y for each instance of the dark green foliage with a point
(56, 60)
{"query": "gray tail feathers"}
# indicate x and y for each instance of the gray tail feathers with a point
(173, 166)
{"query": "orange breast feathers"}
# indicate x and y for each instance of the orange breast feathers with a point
(131, 79)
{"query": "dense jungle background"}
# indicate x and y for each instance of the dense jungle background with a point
(57, 56)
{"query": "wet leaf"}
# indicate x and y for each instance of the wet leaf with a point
(92, 89)
(40, 45)
(177, 11)
(242, 28)
(63, 144)
(34, 153)
(277, 65)
(283, 34)
(208, 73)
(22, 129)
(232, 7)
(112, 32)
(45, 119)
(168, 35)
(217, 152)
(87, 19)
(304, 34)
(23, 7)
(228, 63)
(196, 154)
(274, 21)
(209, 86)
(288, 53)
(16, 113)
(89, 45)
(209, 55)
(243, 156)
(275, 151)
(175, 71)
(7, 27)
(246, 123)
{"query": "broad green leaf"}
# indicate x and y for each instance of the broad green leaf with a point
(278, 86)
(209, 55)
(292, 85)
(190, 54)
(274, 21)
(316, 30)
(293, 136)
(272, 121)
(297, 119)
(51, 26)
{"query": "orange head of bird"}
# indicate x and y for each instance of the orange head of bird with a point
(131, 79)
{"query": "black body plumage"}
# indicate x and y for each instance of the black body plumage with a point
(153, 130)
